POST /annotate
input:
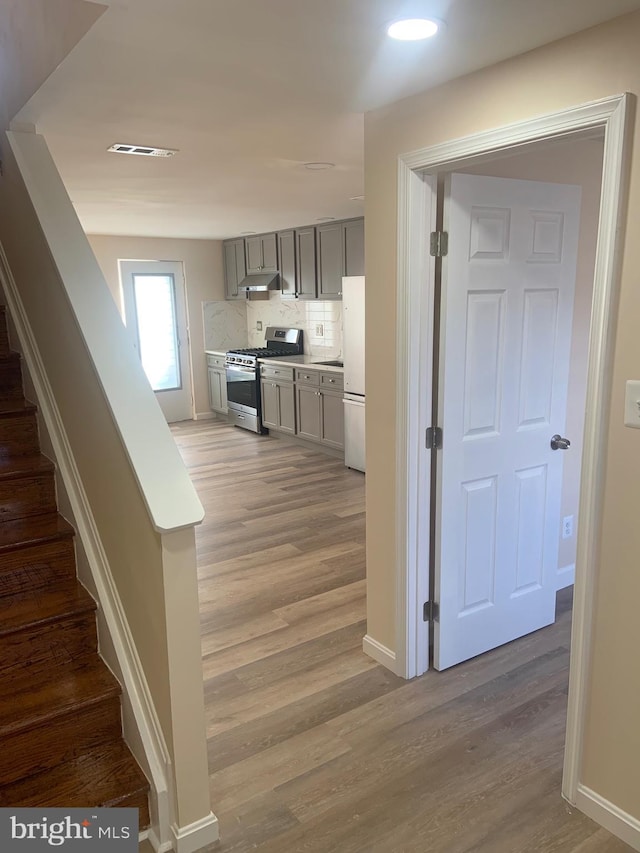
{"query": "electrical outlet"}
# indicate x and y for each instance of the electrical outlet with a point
(567, 527)
(319, 330)
(259, 325)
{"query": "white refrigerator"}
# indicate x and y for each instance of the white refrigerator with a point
(353, 358)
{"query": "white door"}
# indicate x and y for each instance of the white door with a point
(155, 314)
(507, 305)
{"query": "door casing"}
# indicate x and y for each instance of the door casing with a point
(417, 171)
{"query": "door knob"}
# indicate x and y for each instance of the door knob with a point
(559, 443)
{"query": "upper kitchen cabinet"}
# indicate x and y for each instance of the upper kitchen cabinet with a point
(306, 263)
(297, 254)
(234, 267)
(339, 252)
(262, 253)
(287, 255)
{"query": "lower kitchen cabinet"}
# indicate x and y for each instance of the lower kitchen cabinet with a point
(278, 405)
(332, 420)
(308, 401)
(320, 415)
(217, 384)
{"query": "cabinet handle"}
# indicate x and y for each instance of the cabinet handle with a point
(332, 380)
(274, 384)
(318, 394)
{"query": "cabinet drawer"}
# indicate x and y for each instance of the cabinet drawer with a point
(272, 371)
(215, 360)
(307, 377)
(332, 380)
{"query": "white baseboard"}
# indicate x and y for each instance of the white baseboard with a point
(196, 835)
(566, 576)
(380, 653)
(204, 416)
(614, 819)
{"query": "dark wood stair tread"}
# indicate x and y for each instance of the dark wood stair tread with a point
(104, 776)
(28, 608)
(31, 700)
(15, 406)
(32, 530)
(13, 467)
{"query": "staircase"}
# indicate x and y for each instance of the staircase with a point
(60, 718)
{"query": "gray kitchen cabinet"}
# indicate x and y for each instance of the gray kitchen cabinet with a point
(288, 267)
(261, 253)
(278, 397)
(353, 231)
(339, 251)
(234, 267)
(217, 384)
(330, 260)
(297, 257)
(309, 412)
(306, 263)
(332, 419)
(278, 405)
(320, 415)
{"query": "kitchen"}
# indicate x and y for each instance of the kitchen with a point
(303, 377)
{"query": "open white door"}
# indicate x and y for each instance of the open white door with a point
(507, 306)
(155, 314)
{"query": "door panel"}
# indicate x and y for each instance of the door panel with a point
(507, 307)
(155, 315)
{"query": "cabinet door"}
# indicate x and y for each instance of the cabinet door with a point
(241, 265)
(253, 246)
(217, 390)
(269, 253)
(353, 246)
(306, 262)
(262, 253)
(278, 406)
(230, 270)
(270, 406)
(287, 407)
(329, 254)
(309, 412)
(287, 252)
(332, 420)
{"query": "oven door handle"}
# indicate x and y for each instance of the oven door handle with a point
(239, 368)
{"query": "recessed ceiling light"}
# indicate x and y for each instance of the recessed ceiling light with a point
(141, 150)
(357, 198)
(325, 218)
(318, 167)
(412, 29)
(246, 233)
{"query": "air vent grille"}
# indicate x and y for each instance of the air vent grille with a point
(141, 150)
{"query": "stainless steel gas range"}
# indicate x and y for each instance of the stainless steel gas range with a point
(243, 375)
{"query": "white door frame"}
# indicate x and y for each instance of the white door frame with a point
(414, 349)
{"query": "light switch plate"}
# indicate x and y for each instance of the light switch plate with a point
(632, 404)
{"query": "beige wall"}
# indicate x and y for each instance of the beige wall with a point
(577, 162)
(597, 63)
(204, 282)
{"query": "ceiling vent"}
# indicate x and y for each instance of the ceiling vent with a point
(142, 150)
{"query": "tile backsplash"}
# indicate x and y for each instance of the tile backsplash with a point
(225, 325)
(312, 316)
(234, 324)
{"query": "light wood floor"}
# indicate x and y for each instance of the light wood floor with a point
(313, 746)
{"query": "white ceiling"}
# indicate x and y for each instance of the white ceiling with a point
(250, 90)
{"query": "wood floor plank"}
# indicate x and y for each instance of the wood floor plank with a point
(313, 747)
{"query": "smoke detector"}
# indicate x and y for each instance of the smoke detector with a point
(141, 150)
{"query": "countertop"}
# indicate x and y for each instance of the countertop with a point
(305, 361)
(293, 361)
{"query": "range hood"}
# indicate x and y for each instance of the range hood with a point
(260, 281)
